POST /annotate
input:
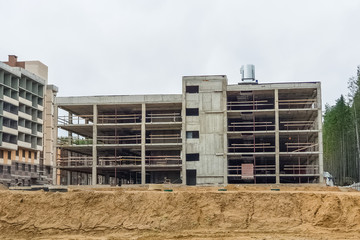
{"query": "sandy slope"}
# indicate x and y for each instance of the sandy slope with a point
(186, 213)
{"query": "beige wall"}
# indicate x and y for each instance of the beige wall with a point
(37, 68)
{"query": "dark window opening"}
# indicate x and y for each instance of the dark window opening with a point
(16, 166)
(191, 177)
(1, 169)
(192, 89)
(35, 168)
(192, 157)
(192, 112)
(23, 167)
(29, 168)
(9, 169)
(192, 134)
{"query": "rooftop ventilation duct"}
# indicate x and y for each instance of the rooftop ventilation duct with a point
(248, 74)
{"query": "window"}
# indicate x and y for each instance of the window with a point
(192, 112)
(9, 138)
(1, 154)
(16, 166)
(48, 170)
(9, 169)
(35, 168)
(23, 167)
(1, 168)
(192, 157)
(192, 89)
(29, 168)
(192, 134)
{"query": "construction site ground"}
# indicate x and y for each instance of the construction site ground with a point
(241, 212)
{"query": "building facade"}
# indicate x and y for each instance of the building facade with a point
(212, 133)
(22, 107)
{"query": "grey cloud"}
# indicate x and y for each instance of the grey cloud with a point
(138, 47)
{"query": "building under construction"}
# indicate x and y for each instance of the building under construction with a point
(212, 133)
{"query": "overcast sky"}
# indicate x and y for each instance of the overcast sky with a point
(145, 47)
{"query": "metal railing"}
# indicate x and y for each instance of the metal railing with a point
(163, 160)
(163, 138)
(250, 105)
(251, 147)
(251, 126)
(259, 169)
(297, 103)
(300, 169)
(297, 125)
(163, 117)
(74, 141)
(302, 147)
(119, 118)
(119, 161)
(74, 161)
(130, 139)
(75, 119)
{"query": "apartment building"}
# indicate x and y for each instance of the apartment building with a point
(22, 107)
(212, 133)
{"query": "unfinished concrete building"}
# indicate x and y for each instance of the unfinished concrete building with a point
(23, 128)
(212, 133)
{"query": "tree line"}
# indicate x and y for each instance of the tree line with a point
(341, 125)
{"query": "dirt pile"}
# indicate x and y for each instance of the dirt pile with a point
(94, 213)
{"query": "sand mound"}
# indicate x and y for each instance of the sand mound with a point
(90, 213)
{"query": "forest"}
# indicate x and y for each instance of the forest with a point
(341, 141)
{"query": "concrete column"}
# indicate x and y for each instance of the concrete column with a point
(224, 100)
(94, 149)
(277, 137)
(143, 142)
(68, 180)
(107, 178)
(69, 154)
(183, 133)
(56, 181)
(320, 137)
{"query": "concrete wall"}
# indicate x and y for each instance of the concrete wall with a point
(211, 102)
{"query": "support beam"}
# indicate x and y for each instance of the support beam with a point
(225, 137)
(320, 138)
(56, 171)
(143, 142)
(183, 134)
(69, 153)
(94, 149)
(277, 141)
